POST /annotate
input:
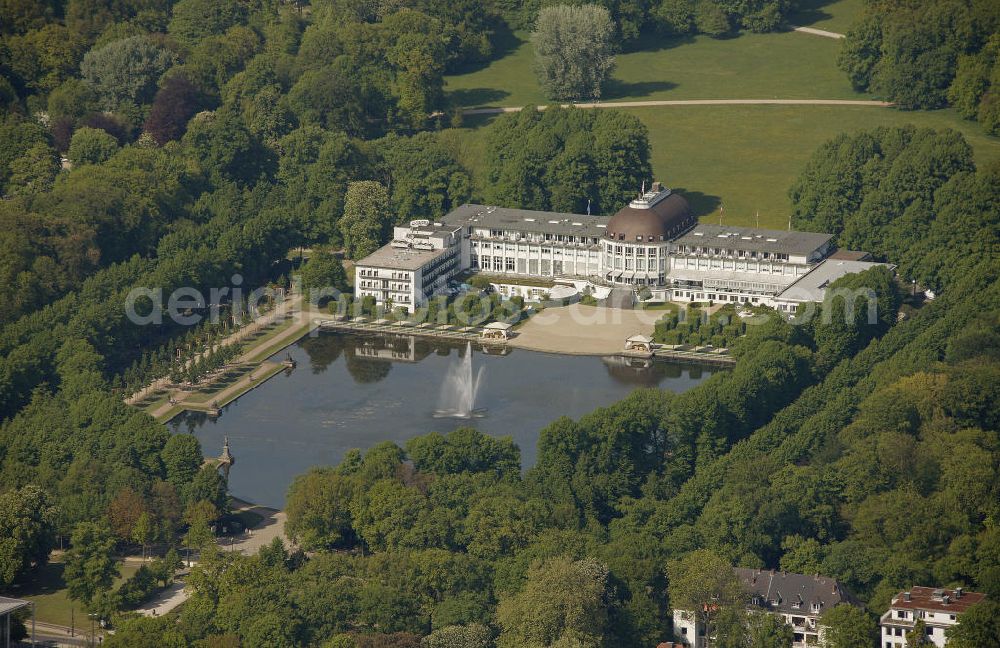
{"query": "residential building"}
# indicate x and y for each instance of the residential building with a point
(798, 599)
(938, 608)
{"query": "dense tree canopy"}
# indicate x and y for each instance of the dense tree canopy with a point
(207, 139)
(927, 54)
(907, 195)
(566, 159)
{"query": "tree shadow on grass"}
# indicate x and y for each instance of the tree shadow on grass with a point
(701, 204)
(46, 579)
(617, 89)
(654, 40)
(504, 43)
(475, 97)
(809, 12)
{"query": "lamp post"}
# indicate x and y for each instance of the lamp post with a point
(93, 638)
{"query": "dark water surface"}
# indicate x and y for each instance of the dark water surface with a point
(354, 391)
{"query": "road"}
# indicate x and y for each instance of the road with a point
(48, 634)
(692, 102)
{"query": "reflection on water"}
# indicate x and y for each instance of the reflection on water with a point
(354, 391)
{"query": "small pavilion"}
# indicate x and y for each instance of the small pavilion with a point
(496, 331)
(639, 344)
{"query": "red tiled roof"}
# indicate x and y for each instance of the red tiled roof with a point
(924, 598)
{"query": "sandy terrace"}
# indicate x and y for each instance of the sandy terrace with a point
(584, 330)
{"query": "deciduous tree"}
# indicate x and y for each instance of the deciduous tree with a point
(563, 602)
(90, 569)
(978, 627)
(703, 583)
(366, 220)
(574, 50)
(27, 531)
(847, 626)
(91, 146)
(175, 103)
(319, 509)
(124, 73)
(193, 20)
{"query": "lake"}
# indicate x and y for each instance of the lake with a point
(350, 391)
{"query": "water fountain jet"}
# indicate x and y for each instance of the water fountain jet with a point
(459, 389)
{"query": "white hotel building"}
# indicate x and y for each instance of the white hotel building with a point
(655, 242)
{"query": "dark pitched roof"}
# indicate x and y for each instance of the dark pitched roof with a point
(792, 593)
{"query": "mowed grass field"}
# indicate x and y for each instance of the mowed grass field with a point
(743, 158)
(787, 65)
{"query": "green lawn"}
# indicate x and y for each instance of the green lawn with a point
(787, 65)
(741, 157)
(51, 598)
(744, 157)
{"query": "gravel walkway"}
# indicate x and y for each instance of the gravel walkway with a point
(693, 102)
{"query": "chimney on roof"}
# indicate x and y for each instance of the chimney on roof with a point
(657, 187)
(946, 598)
(906, 596)
(958, 592)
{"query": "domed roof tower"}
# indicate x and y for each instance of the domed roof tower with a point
(657, 215)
